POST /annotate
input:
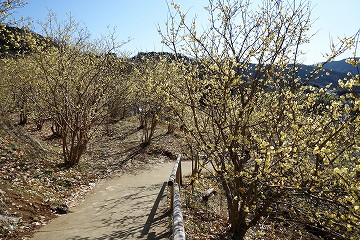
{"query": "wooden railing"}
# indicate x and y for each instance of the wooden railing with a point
(175, 180)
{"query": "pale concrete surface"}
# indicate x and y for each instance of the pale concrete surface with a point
(124, 207)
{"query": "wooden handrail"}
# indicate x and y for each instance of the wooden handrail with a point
(176, 173)
(175, 180)
(178, 222)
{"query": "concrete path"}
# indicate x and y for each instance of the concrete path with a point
(130, 206)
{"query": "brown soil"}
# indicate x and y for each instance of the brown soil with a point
(34, 187)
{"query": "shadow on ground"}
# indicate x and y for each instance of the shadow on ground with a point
(152, 228)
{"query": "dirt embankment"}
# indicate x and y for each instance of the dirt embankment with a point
(33, 184)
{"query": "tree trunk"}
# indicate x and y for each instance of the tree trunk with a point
(39, 123)
(74, 146)
(148, 130)
(238, 233)
(56, 129)
(171, 128)
(237, 216)
(237, 221)
(123, 113)
(23, 117)
(75, 154)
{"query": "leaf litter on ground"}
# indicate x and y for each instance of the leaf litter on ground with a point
(34, 185)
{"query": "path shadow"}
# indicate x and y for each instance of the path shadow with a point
(134, 151)
(151, 218)
(155, 226)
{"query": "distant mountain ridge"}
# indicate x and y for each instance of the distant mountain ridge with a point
(341, 66)
(331, 73)
(336, 69)
(325, 76)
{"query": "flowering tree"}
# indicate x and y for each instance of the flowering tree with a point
(7, 8)
(149, 70)
(69, 78)
(270, 141)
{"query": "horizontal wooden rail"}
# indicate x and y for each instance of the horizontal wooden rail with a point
(175, 180)
(178, 222)
(176, 173)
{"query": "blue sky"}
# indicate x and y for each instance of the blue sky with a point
(138, 20)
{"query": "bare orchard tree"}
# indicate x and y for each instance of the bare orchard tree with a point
(257, 123)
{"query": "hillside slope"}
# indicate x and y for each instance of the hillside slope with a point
(341, 66)
(25, 171)
(35, 187)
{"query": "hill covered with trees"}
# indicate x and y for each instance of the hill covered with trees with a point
(276, 137)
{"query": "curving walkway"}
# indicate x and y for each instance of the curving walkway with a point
(130, 206)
